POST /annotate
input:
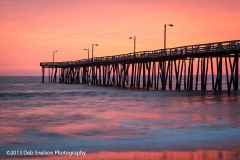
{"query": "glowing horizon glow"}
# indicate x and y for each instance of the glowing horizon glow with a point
(30, 30)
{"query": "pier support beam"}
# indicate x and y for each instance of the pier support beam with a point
(43, 71)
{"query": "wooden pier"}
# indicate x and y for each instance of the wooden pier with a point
(156, 69)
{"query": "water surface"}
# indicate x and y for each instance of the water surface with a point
(72, 117)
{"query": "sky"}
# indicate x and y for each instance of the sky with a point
(31, 30)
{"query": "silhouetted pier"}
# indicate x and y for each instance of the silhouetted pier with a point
(156, 69)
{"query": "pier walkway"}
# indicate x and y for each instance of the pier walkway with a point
(188, 67)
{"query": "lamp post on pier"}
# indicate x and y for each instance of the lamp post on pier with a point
(134, 38)
(165, 26)
(92, 49)
(88, 52)
(52, 68)
(53, 55)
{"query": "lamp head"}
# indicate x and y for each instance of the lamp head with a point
(96, 44)
(171, 25)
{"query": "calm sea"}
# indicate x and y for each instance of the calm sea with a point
(38, 119)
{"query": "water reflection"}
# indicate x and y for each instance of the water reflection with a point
(103, 118)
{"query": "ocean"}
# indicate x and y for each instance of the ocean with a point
(77, 121)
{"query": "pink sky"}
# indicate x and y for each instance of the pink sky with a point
(31, 30)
